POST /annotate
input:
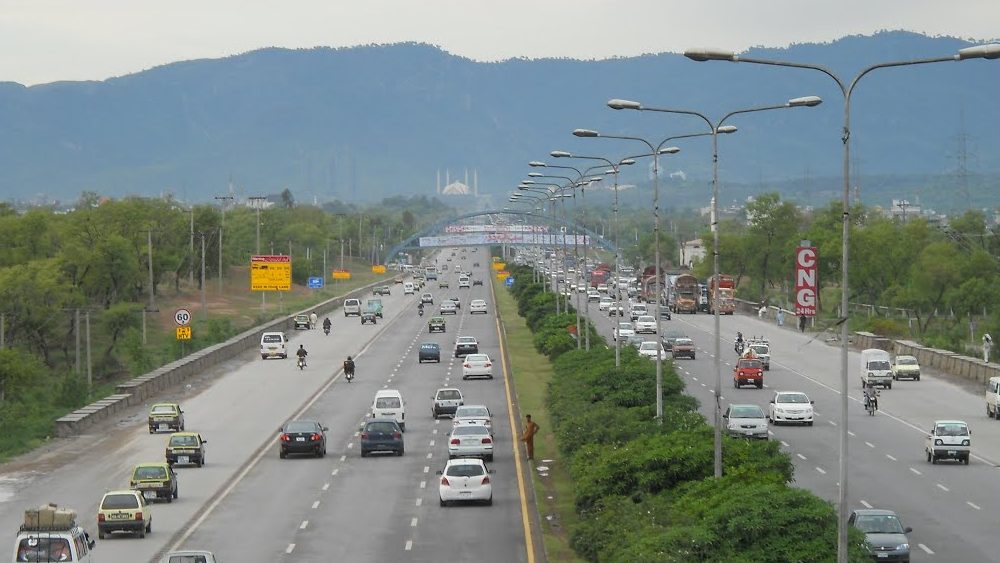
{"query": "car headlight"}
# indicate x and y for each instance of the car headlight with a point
(871, 374)
(903, 547)
(781, 410)
(965, 442)
(938, 442)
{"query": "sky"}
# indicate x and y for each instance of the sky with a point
(50, 40)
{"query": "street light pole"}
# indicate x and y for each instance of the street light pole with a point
(257, 202)
(222, 226)
(990, 52)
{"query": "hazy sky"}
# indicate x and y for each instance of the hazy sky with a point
(49, 40)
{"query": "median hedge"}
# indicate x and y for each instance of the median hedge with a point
(645, 491)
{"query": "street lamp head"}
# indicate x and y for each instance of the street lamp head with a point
(709, 54)
(527, 182)
(536, 163)
(623, 104)
(595, 178)
(726, 129)
(586, 133)
(535, 174)
(560, 154)
(669, 150)
(990, 51)
(610, 171)
(627, 162)
(805, 101)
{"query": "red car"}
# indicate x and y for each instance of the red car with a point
(748, 371)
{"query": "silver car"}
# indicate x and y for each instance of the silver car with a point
(473, 414)
(471, 440)
(746, 421)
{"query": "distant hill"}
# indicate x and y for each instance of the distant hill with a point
(359, 124)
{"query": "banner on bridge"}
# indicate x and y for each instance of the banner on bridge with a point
(479, 239)
(496, 229)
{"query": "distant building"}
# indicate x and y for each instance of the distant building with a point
(458, 188)
(904, 210)
(692, 252)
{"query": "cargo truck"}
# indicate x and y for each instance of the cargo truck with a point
(686, 294)
(725, 292)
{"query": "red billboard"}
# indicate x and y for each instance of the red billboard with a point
(806, 286)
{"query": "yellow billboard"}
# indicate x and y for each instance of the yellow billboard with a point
(270, 273)
(341, 274)
(378, 269)
(502, 275)
(499, 266)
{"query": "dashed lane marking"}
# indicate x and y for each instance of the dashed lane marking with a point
(802, 457)
(821, 470)
(427, 469)
(290, 548)
(926, 549)
(413, 523)
(430, 455)
(942, 487)
(915, 471)
(432, 442)
(784, 443)
(890, 457)
(869, 444)
(420, 501)
(409, 545)
(343, 458)
(304, 525)
(865, 504)
(973, 505)
(315, 505)
(326, 486)
(423, 484)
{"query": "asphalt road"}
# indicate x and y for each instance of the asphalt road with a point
(952, 508)
(247, 505)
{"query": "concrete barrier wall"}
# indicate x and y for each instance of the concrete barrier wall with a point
(140, 389)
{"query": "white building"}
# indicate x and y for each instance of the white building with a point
(692, 252)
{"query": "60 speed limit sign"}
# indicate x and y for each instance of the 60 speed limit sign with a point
(182, 317)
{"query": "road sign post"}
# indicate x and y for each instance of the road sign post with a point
(182, 317)
(183, 333)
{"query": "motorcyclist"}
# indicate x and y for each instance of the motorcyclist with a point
(312, 319)
(420, 308)
(327, 324)
(740, 344)
(349, 366)
(871, 396)
(301, 353)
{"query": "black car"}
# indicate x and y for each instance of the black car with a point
(477, 281)
(430, 351)
(368, 317)
(303, 437)
(466, 345)
(381, 435)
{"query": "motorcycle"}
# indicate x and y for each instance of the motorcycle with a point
(302, 362)
(739, 347)
(871, 403)
(348, 373)
(420, 312)
(326, 330)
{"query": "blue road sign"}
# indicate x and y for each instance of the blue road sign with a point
(315, 282)
(509, 281)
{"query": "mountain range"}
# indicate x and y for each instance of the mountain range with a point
(362, 123)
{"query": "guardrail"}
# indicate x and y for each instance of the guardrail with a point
(139, 389)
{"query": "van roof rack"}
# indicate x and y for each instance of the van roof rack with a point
(58, 528)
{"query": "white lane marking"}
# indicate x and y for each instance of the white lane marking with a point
(427, 469)
(304, 525)
(432, 442)
(973, 505)
(409, 545)
(316, 505)
(915, 471)
(784, 443)
(942, 487)
(290, 548)
(437, 421)
(770, 433)
(334, 472)
(420, 501)
(430, 455)
(926, 549)
(865, 504)
(821, 470)
(423, 484)
(869, 444)
(385, 387)
(356, 434)
(343, 458)
(435, 431)
(350, 445)
(890, 457)
(802, 457)
(694, 378)
(326, 486)
(849, 433)
(832, 423)
(413, 523)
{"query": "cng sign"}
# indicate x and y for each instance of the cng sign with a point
(806, 286)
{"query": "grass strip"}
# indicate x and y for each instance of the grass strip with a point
(532, 372)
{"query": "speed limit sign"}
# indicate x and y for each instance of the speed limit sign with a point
(182, 317)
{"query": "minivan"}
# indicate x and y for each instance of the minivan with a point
(464, 281)
(408, 288)
(273, 345)
(352, 307)
(389, 403)
(993, 397)
(876, 368)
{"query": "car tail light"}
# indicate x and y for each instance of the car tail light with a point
(488, 364)
(444, 482)
(455, 441)
(486, 480)
(315, 437)
(286, 438)
(138, 516)
(466, 365)
(100, 518)
(364, 435)
(397, 435)
(487, 441)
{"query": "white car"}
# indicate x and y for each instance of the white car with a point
(650, 348)
(949, 439)
(790, 406)
(471, 440)
(448, 307)
(477, 365)
(604, 304)
(427, 298)
(638, 310)
(602, 287)
(465, 480)
(473, 414)
(477, 306)
(624, 330)
(745, 421)
(645, 324)
(616, 310)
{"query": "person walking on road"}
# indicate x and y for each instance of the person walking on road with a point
(528, 436)
(802, 323)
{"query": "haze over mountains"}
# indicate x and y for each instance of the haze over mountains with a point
(363, 123)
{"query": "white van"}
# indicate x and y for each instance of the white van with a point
(993, 397)
(273, 345)
(464, 281)
(949, 439)
(876, 368)
(62, 539)
(408, 288)
(352, 307)
(389, 403)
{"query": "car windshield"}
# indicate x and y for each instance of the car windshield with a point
(447, 304)
(381, 427)
(878, 364)
(187, 559)
(272, 338)
(472, 411)
(624, 326)
(683, 342)
(649, 346)
(759, 349)
(479, 302)
(879, 524)
(184, 441)
(464, 470)
(466, 340)
(301, 318)
(792, 398)
(906, 361)
(119, 502)
(43, 549)
(301, 427)
(387, 403)
(951, 430)
(150, 473)
(470, 431)
(646, 319)
(449, 394)
(162, 409)
(750, 364)
(746, 412)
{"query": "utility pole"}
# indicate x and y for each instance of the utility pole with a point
(151, 307)
(257, 199)
(191, 251)
(76, 333)
(222, 225)
(204, 306)
(90, 370)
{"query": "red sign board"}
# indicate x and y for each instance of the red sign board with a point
(806, 286)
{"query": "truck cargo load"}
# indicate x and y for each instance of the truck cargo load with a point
(725, 292)
(686, 294)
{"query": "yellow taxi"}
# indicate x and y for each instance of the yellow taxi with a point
(123, 511)
(186, 447)
(165, 416)
(154, 480)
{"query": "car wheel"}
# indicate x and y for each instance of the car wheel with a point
(400, 452)
(966, 460)
(402, 427)
(170, 498)
(488, 458)
(760, 385)
(933, 459)
(149, 527)
(735, 384)
(364, 453)
(263, 357)
(917, 378)
(142, 533)
(810, 423)
(489, 501)
(442, 501)
(692, 356)
(151, 431)
(282, 454)
(101, 535)
(888, 385)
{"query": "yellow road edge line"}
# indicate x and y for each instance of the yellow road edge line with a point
(529, 543)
